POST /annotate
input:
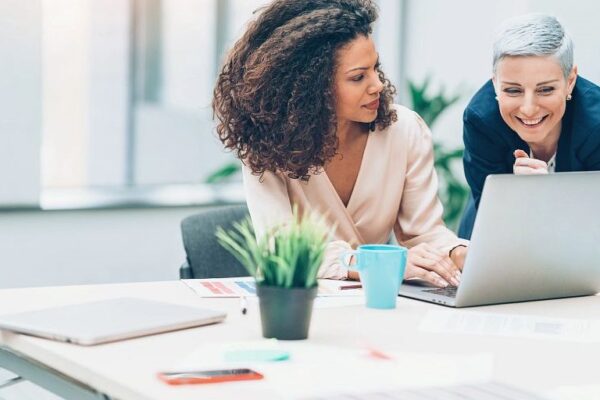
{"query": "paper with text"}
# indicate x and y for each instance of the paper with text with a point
(245, 286)
(524, 326)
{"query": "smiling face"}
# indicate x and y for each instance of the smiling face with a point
(357, 83)
(532, 93)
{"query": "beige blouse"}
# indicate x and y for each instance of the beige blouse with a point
(395, 191)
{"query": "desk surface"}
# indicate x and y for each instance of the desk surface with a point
(126, 370)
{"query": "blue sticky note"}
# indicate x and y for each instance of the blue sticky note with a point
(257, 355)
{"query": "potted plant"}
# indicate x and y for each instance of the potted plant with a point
(284, 263)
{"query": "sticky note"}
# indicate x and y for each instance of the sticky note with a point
(257, 355)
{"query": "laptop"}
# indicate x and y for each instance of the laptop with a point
(108, 320)
(535, 237)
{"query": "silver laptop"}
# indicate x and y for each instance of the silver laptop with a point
(108, 320)
(535, 237)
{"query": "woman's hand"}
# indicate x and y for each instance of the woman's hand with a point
(458, 255)
(431, 265)
(528, 166)
(353, 276)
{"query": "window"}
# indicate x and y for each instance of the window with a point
(127, 87)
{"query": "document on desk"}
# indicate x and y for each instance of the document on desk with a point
(325, 301)
(245, 286)
(328, 368)
(487, 391)
(524, 326)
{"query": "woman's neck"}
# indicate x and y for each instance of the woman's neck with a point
(348, 131)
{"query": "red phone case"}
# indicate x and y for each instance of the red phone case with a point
(249, 375)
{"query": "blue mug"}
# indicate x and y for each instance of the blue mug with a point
(381, 269)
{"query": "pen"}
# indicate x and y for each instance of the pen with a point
(243, 305)
(346, 287)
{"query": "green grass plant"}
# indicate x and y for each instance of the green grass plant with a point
(288, 256)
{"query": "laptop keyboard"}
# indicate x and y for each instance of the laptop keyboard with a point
(448, 291)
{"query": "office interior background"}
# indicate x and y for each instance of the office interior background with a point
(106, 131)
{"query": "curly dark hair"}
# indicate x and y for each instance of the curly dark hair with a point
(274, 97)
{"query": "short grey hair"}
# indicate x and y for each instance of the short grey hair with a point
(534, 35)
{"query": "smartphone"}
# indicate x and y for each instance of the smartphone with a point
(209, 376)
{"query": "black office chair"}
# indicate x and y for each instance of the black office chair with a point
(206, 258)
(467, 220)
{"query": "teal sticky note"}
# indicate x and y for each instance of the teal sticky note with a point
(257, 355)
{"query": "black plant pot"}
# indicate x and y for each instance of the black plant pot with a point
(285, 312)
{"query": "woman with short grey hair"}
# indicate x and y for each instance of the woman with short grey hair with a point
(535, 115)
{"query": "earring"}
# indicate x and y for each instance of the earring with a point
(496, 98)
(569, 97)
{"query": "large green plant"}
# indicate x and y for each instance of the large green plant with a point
(289, 256)
(453, 193)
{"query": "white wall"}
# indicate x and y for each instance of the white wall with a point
(175, 140)
(85, 92)
(20, 101)
(65, 63)
(389, 34)
(108, 76)
(44, 248)
(188, 40)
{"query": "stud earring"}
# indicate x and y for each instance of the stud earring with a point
(496, 98)
(569, 97)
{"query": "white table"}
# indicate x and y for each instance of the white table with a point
(126, 370)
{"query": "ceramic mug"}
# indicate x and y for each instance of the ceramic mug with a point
(381, 269)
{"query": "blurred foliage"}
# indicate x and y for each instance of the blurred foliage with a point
(223, 173)
(453, 193)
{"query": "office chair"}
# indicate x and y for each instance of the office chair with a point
(467, 220)
(206, 258)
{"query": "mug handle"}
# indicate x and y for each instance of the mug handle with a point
(344, 255)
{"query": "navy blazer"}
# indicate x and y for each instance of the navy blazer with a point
(490, 143)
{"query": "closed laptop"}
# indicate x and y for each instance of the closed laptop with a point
(108, 320)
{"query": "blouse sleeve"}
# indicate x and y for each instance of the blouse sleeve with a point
(420, 213)
(270, 205)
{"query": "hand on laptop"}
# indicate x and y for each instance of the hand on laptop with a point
(432, 265)
(528, 166)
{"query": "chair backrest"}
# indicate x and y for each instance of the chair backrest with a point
(206, 258)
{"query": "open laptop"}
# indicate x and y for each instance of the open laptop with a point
(108, 320)
(535, 237)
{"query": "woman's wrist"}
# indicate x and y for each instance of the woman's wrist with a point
(353, 275)
(457, 255)
(451, 251)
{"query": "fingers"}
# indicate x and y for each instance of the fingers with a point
(529, 171)
(520, 153)
(530, 162)
(440, 266)
(528, 166)
(428, 259)
(431, 277)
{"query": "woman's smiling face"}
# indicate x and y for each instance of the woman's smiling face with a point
(532, 93)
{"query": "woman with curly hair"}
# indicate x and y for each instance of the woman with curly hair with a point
(302, 101)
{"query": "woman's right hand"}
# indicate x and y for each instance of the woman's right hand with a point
(528, 166)
(432, 265)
